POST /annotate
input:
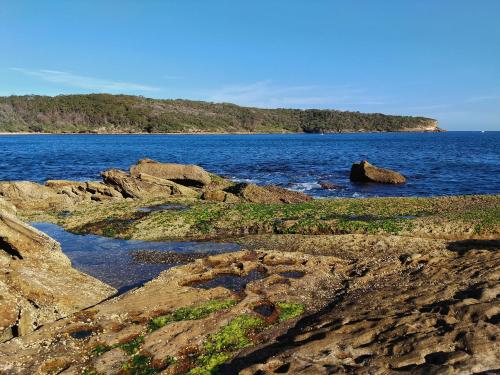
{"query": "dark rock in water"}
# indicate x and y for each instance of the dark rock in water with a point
(235, 283)
(366, 172)
(327, 185)
(169, 257)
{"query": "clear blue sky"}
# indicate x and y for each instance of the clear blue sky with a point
(437, 58)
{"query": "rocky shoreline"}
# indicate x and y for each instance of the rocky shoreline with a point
(368, 286)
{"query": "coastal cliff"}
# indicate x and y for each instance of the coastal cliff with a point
(104, 113)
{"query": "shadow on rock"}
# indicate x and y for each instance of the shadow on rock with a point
(462, 247)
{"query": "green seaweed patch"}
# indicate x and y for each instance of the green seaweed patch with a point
(219, 347)
(290, 310)
(132, 346)
(140, 365)
(101, 349)
(190, 313)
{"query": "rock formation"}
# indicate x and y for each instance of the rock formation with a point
(147, 179)
(187, 175)
(382, 306)
(37, 283)
(366, 172)
(33, 196)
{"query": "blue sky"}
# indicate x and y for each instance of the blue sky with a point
(437, 58)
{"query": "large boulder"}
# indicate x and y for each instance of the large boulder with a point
(267, 194)
(37, 283)
(142, 185)
(32, 196)
(183, 174)
(366, 172)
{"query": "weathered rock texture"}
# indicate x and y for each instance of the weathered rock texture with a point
(30, 195)
(378, 307)
(37, 283)
(147, 179)
(366, 172)
(265, 194)
(143, 185)
(187, 175)
(7, 207)
(84, 191)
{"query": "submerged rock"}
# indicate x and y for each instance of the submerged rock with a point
(37, 283)
(183, 174)
(327, 185)
(366, 172)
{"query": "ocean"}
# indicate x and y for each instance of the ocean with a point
(450, 163)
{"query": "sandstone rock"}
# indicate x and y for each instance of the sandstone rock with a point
(183, 174)
(84, 191)
(267, 194)
(32, 196)
(143, 185)
(7, 207)
(365, 312)
(219, 196)
(366, 172)
(175, 189)
(126, 317)
(37, 283)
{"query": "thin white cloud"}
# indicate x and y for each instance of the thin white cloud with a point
(478, 99)
(266, 94)
(84, 82)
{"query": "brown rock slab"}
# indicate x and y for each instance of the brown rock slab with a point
(84, 191)
(366, 172)
(267, 194)
(143, 185)
(183, 174)
(37, 283)
(32, 196)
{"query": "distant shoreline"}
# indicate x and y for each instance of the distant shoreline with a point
(220, 133)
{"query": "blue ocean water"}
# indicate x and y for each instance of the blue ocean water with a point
(451, 163)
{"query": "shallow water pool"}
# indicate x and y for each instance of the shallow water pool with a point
(110, 260)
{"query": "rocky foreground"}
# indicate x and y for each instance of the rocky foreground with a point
(374, 286)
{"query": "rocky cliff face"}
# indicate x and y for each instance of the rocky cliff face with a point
(37, 283)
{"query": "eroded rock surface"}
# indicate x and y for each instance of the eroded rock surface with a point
(107, 337)
(187, 175)
(30, 195)
(376, 308)
(366, 172)
(37, 283)
(266, 194)
(147, 179)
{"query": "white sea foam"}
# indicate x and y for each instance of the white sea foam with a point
(305, 186)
